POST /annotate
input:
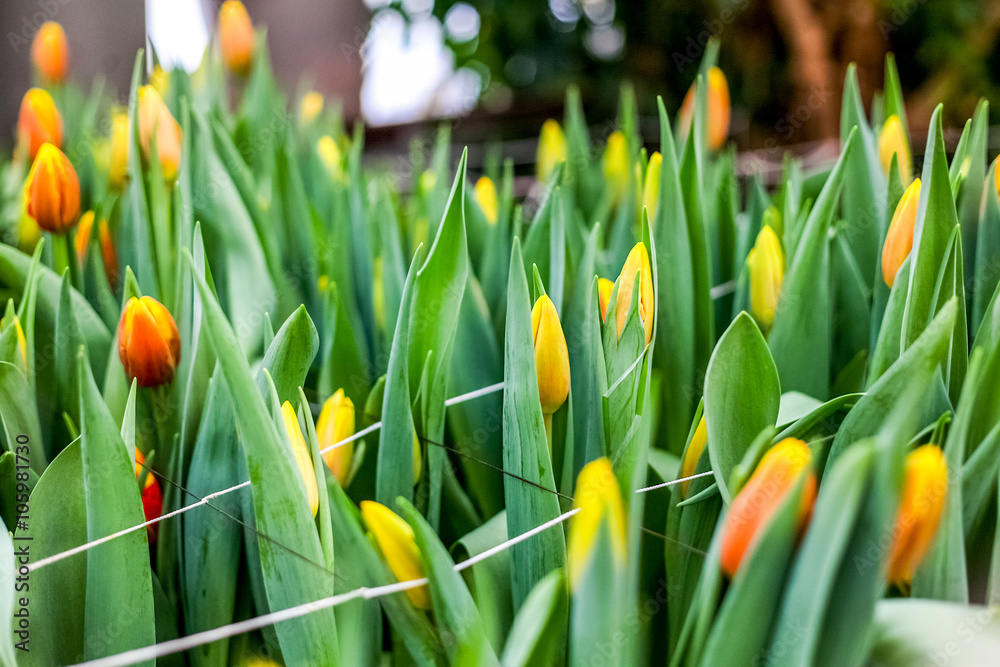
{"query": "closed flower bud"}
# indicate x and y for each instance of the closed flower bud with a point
(691, 457)
(599, 500)
(615, 164)
(604, 289)
(53, 191)
(651, 187)
(310, 107)
(22, 342)
(330, 157)
(751, 509)
(892, 141)
(899, 238)
(551, 355)
(486, 197)
(148, 343)
(335, 424)
(157, 124)
(38, 122)
(152, 497)
(50, 52)
(551, 149)
(636, 268)
(767, 271)
(236, 36)
(399, 548)
(925, 487)
(118, 163)
(108, 255)
(418, 459)
(718, 108)
(302, 456)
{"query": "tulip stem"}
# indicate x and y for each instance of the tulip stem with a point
(548, 431)
(60, 256)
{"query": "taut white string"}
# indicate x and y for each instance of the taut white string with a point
(675, 481)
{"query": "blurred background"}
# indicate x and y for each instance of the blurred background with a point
(503, 66)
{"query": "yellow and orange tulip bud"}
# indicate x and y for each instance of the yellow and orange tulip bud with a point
(157, 124)
(925, 487)
(118, 162)
(38, 122)
(719, 109)
(892, 141)
(302, 456)
(148, 343)
(82, 238)
(753, 506)
(693, 454)
(551, 355)
(651, 187)
(399, 548)
(636, 268)
(767, 272)
(53, 190)
(22, 342)
(310, 107)
(486, 197)
(330, 157)
(236, 36)
(996, 174)
(335, 424)
(551, 149)
(615, 164)
(604, 289)
(152, 497)
(108, 254)
(50, 52)
(599, 500)
(899, 238)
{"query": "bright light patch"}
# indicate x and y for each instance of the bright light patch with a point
(178, 32)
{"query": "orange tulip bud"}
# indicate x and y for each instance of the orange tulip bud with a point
(50, 52)
(302, 455)
(156, 123)
(693, 454)
(899, 238)
(152, 497)
(108, 254)
(604, 289)
(53, 190)
(149, 345)
(718, 108)
(636, 268)
(82, 238)
(236, 36)
(925, 487)
(771, 482)
(551, 355)
(398, 545)
(38, 122)
(336, 423)
(118, 164)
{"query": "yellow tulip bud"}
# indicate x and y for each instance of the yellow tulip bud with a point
(925, 487)
(996, 174)
(159, 80)
(551, 355)
(767, 488)
(417, 459)
(50, 52)
(651, 188)
(604, 289)
(22, 342)
(157, 124)
(302, 455)
(53, 190)
(38, 122)
(428, 180)
(637, 262)
(486, 196)
(236, 36)
(899, 238)
(693, 454)
(767, 271)
(551, 149)
(719, 109)
(599, 500)
(614, 164)
(335, 424)
(118, 164)
(330, 156)
(310, 107)
(892, 141)
(399, 548)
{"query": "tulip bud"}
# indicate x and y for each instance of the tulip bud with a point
(236, 36)
(751, 509)
(118, 163)
(418, 459)
(330, 157)
(159, 80)
(50, 52)
(336, 423)
(82, 238)
(892, 141)
(551, 149)
(599, 500)
(899, 238)
(156, 123)
(399, 548)
(925, 486)
(693, 454)
(718, 108)
(148, 343)
(38, 122)
(996, 174)
(108, 254)
(53, 190)
(486, 196)
(302, 455)
(22, 342)
(310, 107)
(767, 271)
(551, 355)
(604, 289)
(637, 262)
(152, 497)
(614, 164)
(651, 188)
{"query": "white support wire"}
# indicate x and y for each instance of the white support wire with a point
(675, 481)
(208, 636)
